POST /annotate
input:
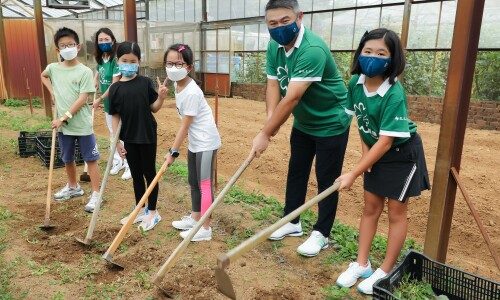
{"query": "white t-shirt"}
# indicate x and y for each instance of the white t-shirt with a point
(202, 134)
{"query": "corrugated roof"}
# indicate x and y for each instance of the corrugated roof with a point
(14, 8)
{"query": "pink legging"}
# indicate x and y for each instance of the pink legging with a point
(201, 170)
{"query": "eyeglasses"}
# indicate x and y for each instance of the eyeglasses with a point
(63, 46)
(178, 65)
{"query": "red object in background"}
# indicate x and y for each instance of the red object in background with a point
(209, 80)
(21, 43)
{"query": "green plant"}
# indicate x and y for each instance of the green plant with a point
(143, 279)
(179, 169)
(413, 289)
(58, 296)
(88, 268)
(334, 292)
(102, 291)
(15, 103)
(262, 214)
(36, 269)
(63, 272)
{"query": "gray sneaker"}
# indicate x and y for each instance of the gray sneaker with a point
(68, 192)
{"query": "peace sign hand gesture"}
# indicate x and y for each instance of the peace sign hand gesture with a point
(162, 88)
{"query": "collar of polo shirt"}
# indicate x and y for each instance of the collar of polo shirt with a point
(298, 41)
(382, 89)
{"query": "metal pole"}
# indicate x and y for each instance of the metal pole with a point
(130, 15)
(3, 54)
(42, 52)
(454, 120)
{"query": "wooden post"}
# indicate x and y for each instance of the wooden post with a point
(3, 55)
(42, 52)
(454, 120)
(130, 15)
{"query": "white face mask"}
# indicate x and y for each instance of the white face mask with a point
(69, 53)
(175, 74)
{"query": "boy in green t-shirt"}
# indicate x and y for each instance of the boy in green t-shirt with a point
(70, 82)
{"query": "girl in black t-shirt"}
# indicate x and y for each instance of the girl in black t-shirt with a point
(133, 100)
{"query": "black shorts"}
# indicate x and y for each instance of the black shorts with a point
(400, 173)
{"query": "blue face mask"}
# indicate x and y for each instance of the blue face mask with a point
(285, 34)
(372, 66)
(128, 70)
(105, 47)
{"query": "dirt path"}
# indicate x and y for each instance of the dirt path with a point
(47, 266)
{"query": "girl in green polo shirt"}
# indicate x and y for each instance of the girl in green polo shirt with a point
(392, 162)
(108, 73)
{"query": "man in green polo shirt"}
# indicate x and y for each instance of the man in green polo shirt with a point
(303, 80)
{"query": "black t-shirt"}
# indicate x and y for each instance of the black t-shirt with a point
(131, 100)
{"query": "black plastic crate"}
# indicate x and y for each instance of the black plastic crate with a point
(43, 144)
(27, 142)
(445, 280)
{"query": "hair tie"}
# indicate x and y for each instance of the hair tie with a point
(181, 48)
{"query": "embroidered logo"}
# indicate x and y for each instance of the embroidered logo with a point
(283, 77)
(363, 121)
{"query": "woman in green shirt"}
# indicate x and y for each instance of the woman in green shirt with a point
(393, 161)
(108, 73)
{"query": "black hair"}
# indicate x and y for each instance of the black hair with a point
(63, 32)
(184, 50)
(97, 51)
(392, 42)
(127, 48)
(290, 4)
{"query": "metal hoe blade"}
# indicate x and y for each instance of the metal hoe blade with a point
(46, 227)
(112, 264)
(83, 242)
(224, 283)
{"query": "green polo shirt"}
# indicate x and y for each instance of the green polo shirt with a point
(384, 112)
(68, 83)
(320, 111)
(107, 70)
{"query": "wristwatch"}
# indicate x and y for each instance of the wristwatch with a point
(173, 152)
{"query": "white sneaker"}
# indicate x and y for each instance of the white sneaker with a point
(117, 168)
(139, 217)
(148, 225)
(349, 277)
(315, 243)
(92, 202)
(185, 223)
(366, 286)
(289, 229)
(126, 175)
(202, 234)
(68, 192)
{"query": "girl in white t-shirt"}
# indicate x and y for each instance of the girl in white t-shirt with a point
(203, 138)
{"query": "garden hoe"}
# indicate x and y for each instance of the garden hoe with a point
(46, 224)
(85, 176)
(108, 256)
(224, 283)
(184, 244)
(95, 213)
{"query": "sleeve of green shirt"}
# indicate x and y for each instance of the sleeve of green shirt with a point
(86, 84)
(394, 120)
(310, 65)
(271, 62)
(48, 70)
(116, 70)
(349, 109)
